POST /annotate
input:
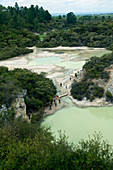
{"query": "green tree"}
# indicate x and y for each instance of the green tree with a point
(71, 18)
(109, 96)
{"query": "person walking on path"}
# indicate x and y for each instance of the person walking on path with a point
(59, 100)
(60, 84)
(55, 103)
(52, 102)
(50, 107)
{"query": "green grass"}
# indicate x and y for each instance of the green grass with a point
(42, 37)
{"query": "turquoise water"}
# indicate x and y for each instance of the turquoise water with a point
(78, 55)
(78, 123)
(57, 61)
(46, 60)
(72, 65)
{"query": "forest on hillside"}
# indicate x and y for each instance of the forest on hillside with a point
(22, 27)
(91, 31)
(39, 92)
(94, 69)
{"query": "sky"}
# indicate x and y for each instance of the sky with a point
(65, 6)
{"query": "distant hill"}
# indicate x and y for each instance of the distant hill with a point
(82, 14)
(57, 14)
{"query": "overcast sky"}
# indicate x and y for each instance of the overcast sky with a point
(65, 6)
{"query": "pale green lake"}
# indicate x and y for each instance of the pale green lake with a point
(75, 61)
(57, 61)
(78, 123)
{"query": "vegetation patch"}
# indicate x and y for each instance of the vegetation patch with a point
(88, 87)
(14, 42)
(26, 146)
(40, 90)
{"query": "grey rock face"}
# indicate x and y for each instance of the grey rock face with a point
(20, 107)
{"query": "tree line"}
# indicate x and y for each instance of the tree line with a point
(18, 26)
(23, 17)
(93, 33)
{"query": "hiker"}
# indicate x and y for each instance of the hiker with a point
(50, 107)
(55, 104)
(51, 101)
(75, 74)
(59, 100)
(60, 84)
(56, 96)
(29, 116)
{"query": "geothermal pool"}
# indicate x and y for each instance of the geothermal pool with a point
(78, 123)
(59, 64)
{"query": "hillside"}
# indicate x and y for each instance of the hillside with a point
(96, 80)
(36, 89)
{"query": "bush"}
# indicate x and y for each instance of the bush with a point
(109, 96)
(24, 146)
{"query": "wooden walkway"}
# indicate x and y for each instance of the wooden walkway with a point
(63, 95)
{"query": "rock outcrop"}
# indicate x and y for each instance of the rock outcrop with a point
(20, 106)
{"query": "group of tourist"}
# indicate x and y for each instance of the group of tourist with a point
(55, 101)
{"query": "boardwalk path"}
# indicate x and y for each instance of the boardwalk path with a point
(64, 91)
